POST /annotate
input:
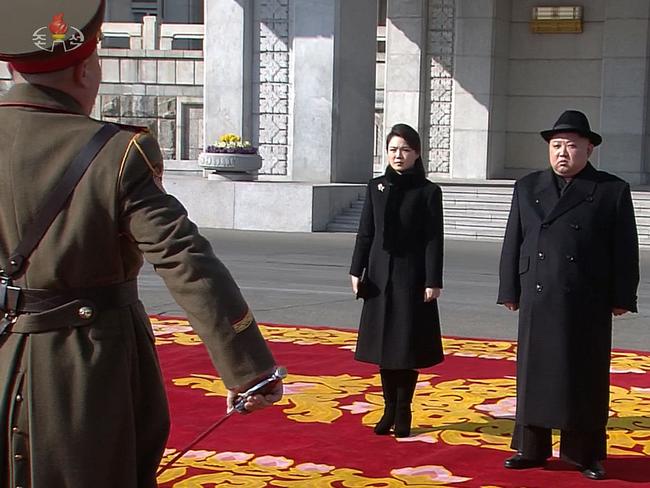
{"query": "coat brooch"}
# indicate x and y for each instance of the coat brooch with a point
(380, 187)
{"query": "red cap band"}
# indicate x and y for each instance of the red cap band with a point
(56, 63)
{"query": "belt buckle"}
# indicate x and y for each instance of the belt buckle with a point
(6, 321)
(9, 295)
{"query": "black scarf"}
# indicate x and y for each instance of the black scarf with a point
(398, 184)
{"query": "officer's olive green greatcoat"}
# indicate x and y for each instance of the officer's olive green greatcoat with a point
(84, 406)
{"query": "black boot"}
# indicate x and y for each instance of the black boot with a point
(405, 389)
(389, 391)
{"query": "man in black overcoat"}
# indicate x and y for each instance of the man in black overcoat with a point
(570, 261)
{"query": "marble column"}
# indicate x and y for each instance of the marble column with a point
(406, 37)
(228, 53)
(480, 93)
(296, 77)
(625, 84)
(333, 61)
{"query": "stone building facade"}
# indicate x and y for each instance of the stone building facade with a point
(151, 85)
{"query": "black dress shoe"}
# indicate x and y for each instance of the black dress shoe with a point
(593, 471)
(518, 461)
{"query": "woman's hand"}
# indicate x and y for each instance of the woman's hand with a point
(355, 284)
(431, 294)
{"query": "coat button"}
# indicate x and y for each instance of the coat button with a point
(19, 398)
(539, 287)
(589, 198)
(18, 457)
(571, 259)
(15, 430)
(541, 255)
(537, 201)
(86, 313)
(575, 226)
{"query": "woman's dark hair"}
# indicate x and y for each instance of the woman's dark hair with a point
(406, 132)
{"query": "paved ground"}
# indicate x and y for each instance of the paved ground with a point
(302, 278)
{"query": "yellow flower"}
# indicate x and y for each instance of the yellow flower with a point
(230, 138)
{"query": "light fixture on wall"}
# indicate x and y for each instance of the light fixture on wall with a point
(556, 19)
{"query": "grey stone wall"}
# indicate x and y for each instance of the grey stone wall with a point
(158, 89)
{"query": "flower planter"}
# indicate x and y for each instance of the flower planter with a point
(232, 166)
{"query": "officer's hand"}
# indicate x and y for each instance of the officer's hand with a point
(619, 311)
(430, 294)
(355, 284)
(257, 402)
(513, 307)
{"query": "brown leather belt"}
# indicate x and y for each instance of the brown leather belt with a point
(34, 300)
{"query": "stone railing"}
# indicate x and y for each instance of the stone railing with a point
(152, 35)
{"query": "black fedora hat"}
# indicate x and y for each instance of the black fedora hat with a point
(572, 121)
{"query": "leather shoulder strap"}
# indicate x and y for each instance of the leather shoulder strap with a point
(57, 198)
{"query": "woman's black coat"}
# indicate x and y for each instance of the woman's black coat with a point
(567, 261)
(397, 329)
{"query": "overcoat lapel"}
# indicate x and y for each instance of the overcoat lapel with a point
(581, 189)
(545, 195)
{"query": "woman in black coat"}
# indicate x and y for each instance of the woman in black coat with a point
(398, 252)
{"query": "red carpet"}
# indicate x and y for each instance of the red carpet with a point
(320, 435)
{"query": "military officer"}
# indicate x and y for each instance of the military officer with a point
(82, 402)
(570, 260)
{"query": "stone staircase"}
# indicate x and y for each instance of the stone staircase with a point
(348, 219)
(479, 211)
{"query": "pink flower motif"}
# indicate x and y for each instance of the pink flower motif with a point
(236, 457)
(297, 387)
(504, 408)
(273, 462)
(359, 407)
(314, 468)
(426, 438)
(433, 473)
(199, 455)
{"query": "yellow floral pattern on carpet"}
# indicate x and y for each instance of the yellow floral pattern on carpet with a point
(461, 412)
(209, 468)
(178, 331)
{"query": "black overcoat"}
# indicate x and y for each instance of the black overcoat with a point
(568, 261)
(397, 329)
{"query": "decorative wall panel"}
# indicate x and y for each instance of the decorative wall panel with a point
(272, 90)
(440, 53)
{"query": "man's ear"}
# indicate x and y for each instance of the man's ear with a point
(80, 73)
(590, 149)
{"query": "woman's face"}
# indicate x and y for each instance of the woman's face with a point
(400, 155)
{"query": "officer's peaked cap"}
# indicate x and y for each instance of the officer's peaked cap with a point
(39, 36)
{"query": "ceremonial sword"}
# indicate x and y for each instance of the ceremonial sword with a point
(239, 403)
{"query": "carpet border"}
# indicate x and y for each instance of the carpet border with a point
(343, 329)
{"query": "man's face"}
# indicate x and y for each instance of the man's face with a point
(568, 153)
